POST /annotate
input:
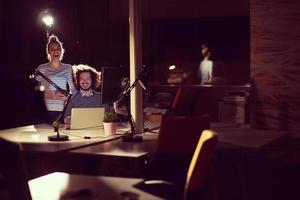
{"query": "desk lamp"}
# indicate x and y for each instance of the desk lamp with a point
(56, 123)
(47, 19)
(131, 136)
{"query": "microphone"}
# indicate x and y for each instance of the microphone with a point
(39, 88)
(141, 84)
(32, 76)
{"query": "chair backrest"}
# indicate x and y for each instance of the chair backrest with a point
(13, 170)
(176, 98)
(183, 101)
(180, 134)
(198, 171)
(176, 143)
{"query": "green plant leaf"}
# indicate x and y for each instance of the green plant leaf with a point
(110, 116)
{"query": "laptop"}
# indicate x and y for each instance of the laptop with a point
(87, 118)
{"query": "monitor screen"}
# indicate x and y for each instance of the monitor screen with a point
(112, 81)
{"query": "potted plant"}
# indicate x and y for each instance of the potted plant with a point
(110, 122)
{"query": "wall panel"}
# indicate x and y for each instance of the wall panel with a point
(275, 64)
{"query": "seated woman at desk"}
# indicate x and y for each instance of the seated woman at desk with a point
(87, 79)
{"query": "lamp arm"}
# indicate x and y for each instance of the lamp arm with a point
(64, 92)
(56, 123)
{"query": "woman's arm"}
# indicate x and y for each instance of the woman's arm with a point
(70, 80)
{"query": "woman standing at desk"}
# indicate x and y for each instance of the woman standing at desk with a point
(59, 73)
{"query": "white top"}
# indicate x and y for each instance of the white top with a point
(205, 71)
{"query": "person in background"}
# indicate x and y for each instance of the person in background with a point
(59, 73)
(206, 66)
(87, 80)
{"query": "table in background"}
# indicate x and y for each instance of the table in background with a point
(207, 97)
(252, 163)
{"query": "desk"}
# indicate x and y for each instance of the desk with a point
(42, 156)
(242, 157)
(57, 185)
(118, 158)
(246, 165)
(34, 138)
(207, 96)
(242, 136)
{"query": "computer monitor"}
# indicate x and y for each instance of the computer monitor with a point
(112, 83)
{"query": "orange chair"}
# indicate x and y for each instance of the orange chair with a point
(180, 134)
(197, 176)
(176, 143)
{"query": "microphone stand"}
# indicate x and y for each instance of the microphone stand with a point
(131, 136)
(56, 123)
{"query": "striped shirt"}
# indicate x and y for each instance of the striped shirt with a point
(61, 77)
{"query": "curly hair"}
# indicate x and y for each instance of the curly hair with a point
(95, 75)
(54, 39)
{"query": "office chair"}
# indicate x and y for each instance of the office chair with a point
(13, 171)
(176, 144)
(197, 177)
(183, 101)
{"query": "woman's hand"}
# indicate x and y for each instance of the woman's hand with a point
(60, 96)
(67, 121)
(54, 95)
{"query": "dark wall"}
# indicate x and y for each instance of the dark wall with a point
(178, 41)
(95, 32)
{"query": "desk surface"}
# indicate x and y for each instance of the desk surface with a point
(122, 149)
(34, 138)
(243, 136)
(57, 185)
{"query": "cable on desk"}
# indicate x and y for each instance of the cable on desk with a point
(73, 135)
(88, 128)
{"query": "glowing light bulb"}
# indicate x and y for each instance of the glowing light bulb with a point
(48, 20)
(172, 67)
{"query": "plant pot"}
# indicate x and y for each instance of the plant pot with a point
(110, 128)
